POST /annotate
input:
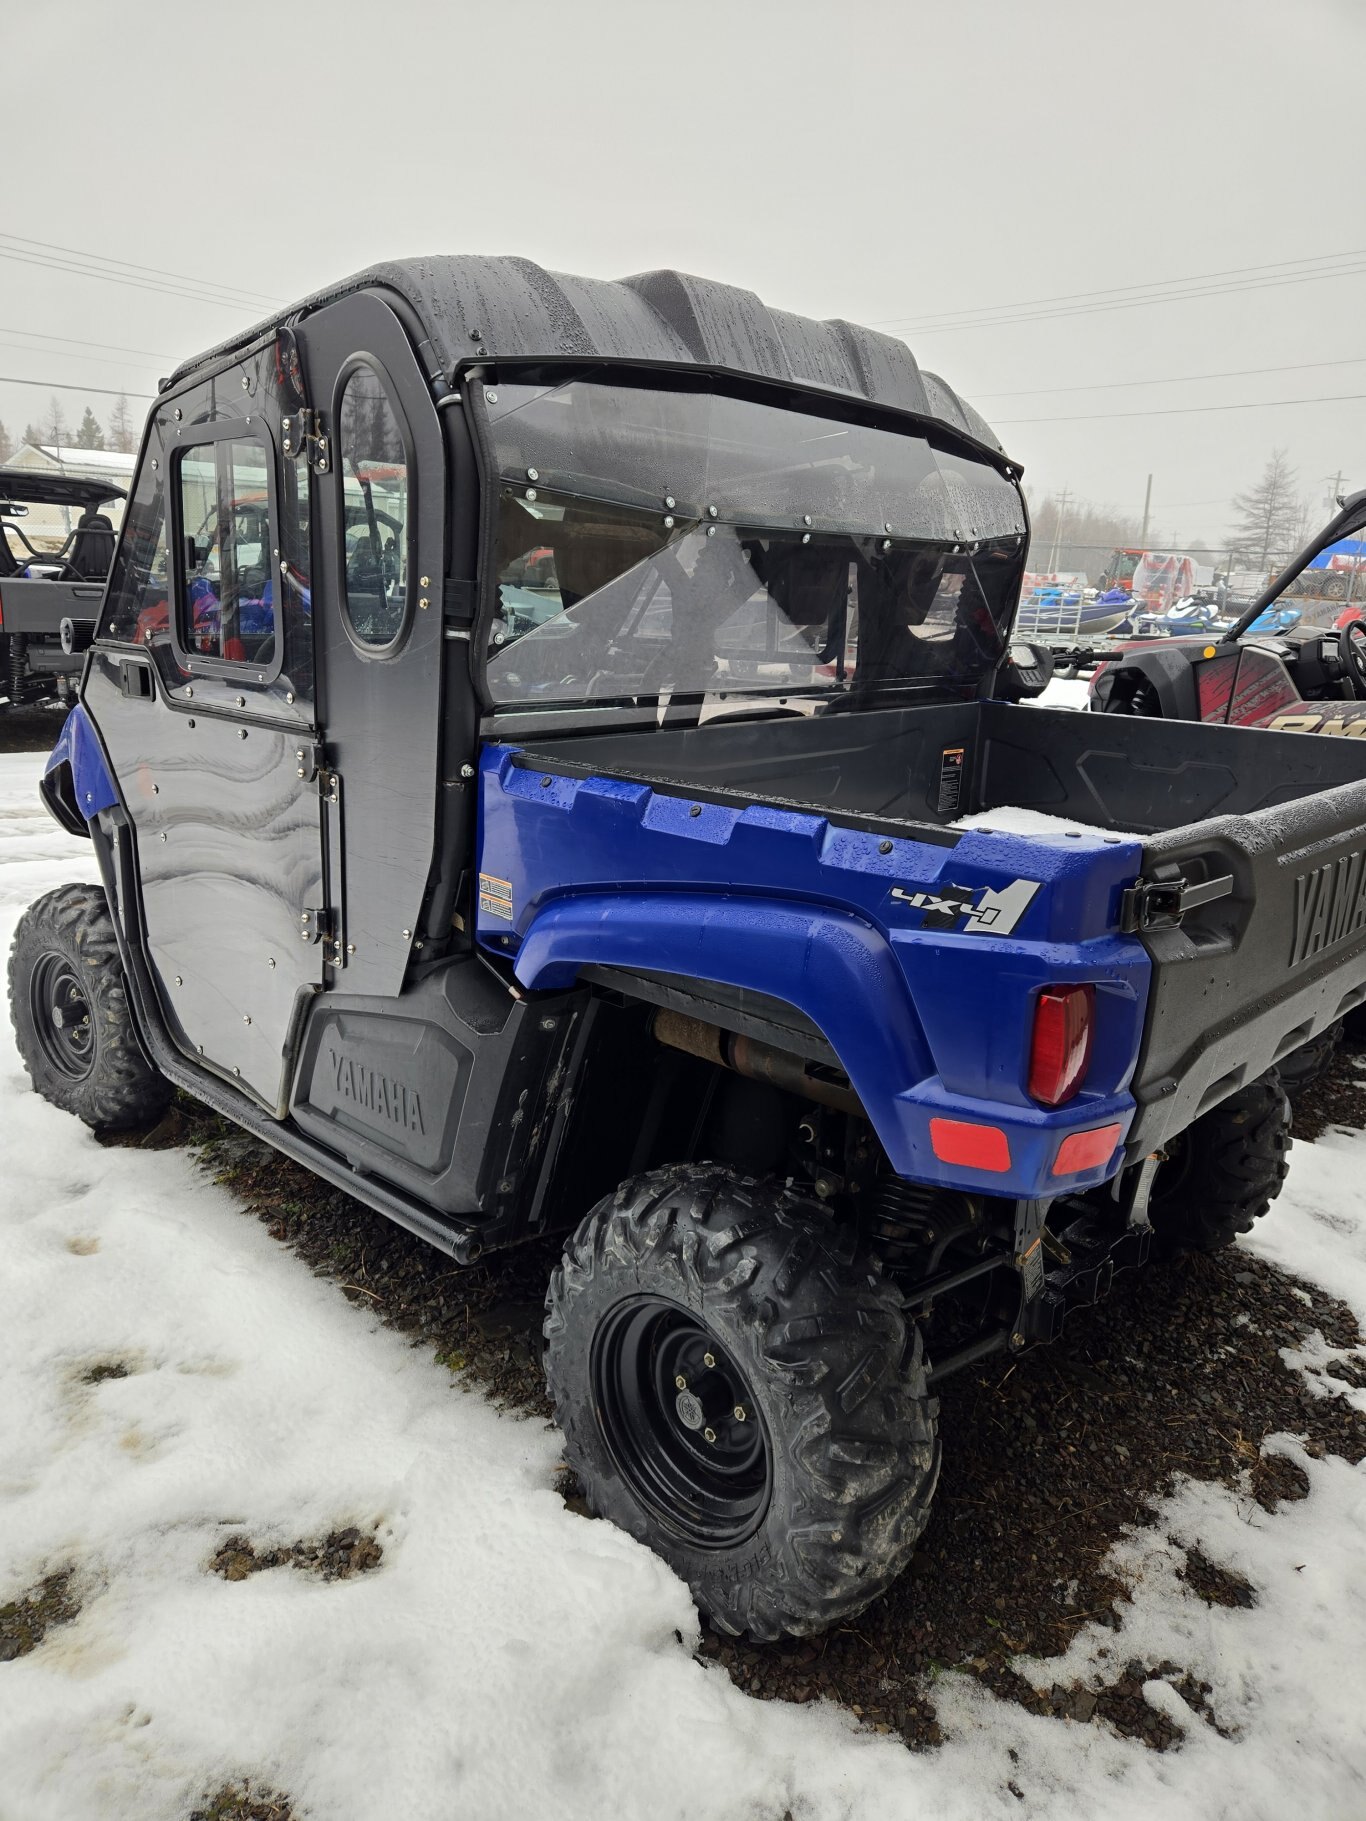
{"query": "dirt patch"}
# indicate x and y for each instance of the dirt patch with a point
(340, 1555)
(110, 1368)
(25, 1622)
(1277, 1479)
(245, 1802)
(1337, 1098)
(1120, 1703)
(29, 729)
(1215, 1585)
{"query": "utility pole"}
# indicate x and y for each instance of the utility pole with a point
(1055, 549)
(1147, 508)
(1334, 488)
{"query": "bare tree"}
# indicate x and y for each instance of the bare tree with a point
(1271, 518)
(121, 435)
(56, 423)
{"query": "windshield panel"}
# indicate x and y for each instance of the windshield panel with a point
(604, 603)
(702, 454)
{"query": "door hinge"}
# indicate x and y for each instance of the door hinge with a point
(329, 784)
(304, 436)
(316, 924)
(1162, 903)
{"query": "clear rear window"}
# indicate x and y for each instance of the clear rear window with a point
(602, 603)
(657, 543)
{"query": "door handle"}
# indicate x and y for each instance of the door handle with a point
(135, 679)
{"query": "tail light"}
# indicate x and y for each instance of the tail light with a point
(1061, 1045)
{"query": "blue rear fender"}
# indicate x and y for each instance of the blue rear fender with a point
(920, 961)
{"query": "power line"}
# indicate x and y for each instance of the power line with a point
(77, 341)
(19, 348)
(56, 385)
(160, 290)
(127, 265)
(1252, 404)
(1172, 379)
(936, 318)
(1261, 284)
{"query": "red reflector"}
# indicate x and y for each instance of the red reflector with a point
(980, 1147)
(1086, 1150)
(1061, 1047)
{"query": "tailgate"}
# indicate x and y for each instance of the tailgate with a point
(1245, 977)
(38, 607)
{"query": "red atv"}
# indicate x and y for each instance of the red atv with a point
(1311, 679)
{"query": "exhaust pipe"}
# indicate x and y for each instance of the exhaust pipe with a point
(756, 1061)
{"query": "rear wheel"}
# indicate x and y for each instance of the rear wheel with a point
(69, 1007)
(1223, 1172)
(741, 1391)
(1303, 1067)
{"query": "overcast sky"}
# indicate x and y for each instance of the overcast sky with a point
(896, 164)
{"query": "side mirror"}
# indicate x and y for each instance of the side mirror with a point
(1029, 669)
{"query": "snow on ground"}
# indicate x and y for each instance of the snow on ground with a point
(509, 1658)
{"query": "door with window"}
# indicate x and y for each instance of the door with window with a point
(201, 686)
(379, 514)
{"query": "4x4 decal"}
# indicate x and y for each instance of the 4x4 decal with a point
(986, 911)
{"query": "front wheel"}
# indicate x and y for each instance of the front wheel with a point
(740, 1390)
(69, 1007)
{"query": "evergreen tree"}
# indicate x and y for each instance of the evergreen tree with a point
(6, 446)
(90, 436)
(121, 435)
(33, 435)
(1269, 517)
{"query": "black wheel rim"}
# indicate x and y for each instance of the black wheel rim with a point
(695, 1453)
(62, 1017)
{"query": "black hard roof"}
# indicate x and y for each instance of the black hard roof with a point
(473, 306)
(38, 487)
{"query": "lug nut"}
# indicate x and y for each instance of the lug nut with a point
(708, 1359)
(741, 1415)
(681, 1382)
(709, 1435)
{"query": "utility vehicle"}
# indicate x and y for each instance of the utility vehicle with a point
(576, 824)
(42, 588)
(1301, 678)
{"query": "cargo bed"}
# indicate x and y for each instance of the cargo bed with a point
(1272, 825)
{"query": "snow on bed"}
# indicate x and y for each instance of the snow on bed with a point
(1012, 820)
(508, 1658)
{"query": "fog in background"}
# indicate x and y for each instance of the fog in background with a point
(991, 181)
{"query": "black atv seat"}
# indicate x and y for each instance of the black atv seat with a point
(92, 551)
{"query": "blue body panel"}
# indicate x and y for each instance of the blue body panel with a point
(919, 964)
(78, 746)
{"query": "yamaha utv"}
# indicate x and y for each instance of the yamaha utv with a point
(50, 596)
(584, 793)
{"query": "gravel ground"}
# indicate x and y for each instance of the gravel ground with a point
(30, 729)
(1047, 1459)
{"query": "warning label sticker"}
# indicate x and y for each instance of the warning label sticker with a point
(495, 897)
